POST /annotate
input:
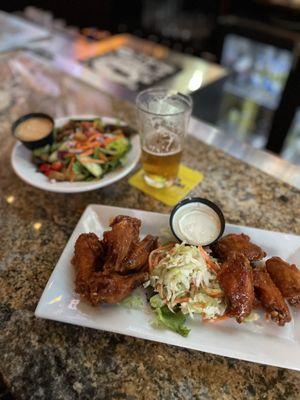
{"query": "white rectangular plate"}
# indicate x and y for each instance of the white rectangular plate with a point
(260, 341)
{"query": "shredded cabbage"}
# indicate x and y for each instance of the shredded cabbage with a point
(205, 305)
(183, 278)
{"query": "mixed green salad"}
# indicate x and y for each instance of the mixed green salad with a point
(83, 150)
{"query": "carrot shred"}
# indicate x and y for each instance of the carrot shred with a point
(159, 288)
(94, 136)
(87, 146)
(217, 319)
(102, 157)
(212, 265)
(213, 294)
(157, 254)
(86, 153)
(181, 300)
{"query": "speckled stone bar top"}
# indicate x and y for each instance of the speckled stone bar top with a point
(41, 359)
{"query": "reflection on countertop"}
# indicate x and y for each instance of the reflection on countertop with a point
(261, 159)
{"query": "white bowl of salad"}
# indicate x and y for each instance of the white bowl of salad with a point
(87, 153)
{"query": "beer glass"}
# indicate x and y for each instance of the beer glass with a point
(163, 117)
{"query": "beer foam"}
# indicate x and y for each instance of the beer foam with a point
(162, 143)
(160, 154)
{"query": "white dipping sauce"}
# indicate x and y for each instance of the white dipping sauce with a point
(196, 224)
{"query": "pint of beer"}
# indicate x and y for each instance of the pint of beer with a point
(163, 118)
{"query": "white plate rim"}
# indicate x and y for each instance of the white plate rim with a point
(70, 187)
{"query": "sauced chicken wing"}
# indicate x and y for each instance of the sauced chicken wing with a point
(286, 277)
(236, 280)
(139, 254)
(237, 243)
(108, 270)
(120, 240)
(88, 251)
(112, 287)
(270, 297)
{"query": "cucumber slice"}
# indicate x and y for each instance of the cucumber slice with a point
(93, 168)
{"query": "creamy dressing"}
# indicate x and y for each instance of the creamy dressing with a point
(33, 129)
(196, 224)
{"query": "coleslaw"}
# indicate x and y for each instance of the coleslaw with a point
(185, 283)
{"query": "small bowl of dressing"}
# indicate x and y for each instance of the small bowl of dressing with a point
(34, 130)
(197, 221)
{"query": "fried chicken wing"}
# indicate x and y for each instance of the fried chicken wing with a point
(112, 288)
(139, 254)
(120, 240)
(237, 243)
(270, 297)
(287, 278)
(236, 280)
(108, 270)
(88, 251)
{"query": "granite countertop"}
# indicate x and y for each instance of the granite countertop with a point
(43, 359)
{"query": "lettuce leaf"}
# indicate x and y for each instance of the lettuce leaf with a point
(133, 301)
(118, 147)
(42, 151)
(175, 321)
(156, 301)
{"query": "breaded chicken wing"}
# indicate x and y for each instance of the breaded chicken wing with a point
(236, 280)
(270, 297)
(286, 277)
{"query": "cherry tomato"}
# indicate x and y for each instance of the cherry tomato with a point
(57, 166)
(45, 167)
